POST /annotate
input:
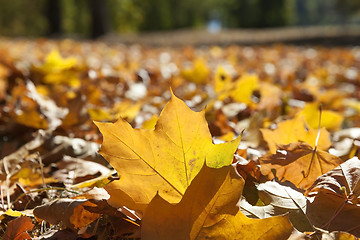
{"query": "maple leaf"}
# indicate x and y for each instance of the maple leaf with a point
(244, 88)
(55, 63)
(57, 70)
(208, 211)
(163, 160)
(198, 73)
(298, 163)
(291, 131)
(241, 90)
(329, 119)
(222, 82)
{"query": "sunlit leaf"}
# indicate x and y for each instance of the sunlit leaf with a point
(298, 163)
(329, 119)
(208, 211)
(294, 130)
(164, 160)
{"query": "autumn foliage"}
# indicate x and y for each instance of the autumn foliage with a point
(109, 141)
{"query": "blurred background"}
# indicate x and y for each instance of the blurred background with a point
(95, 18)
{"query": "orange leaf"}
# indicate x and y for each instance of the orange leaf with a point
(16, 229)
(208, 211)
(70, 212)
(298, 163)
(294, 130)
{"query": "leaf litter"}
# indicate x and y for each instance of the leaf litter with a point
(159, 174)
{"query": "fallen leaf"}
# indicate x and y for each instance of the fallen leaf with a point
(57, 70)
(247, 168)
(278, 200)
(11, 213)
(99, 182)
(198, 73)
(294, 130)
(70, 212)
(208, 211)
(329, 119)
(338, 235)
(334, 199)
(78, 170)
(16, 229)
(29, 177)
(222, 82)
(344, 181)
(328, 211)
(150, 123)
(163, 160)
(244, 88)
(270, 96)
(54, 62)
(298, 163)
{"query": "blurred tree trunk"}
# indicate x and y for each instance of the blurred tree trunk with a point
(53, 14)
(99, 18)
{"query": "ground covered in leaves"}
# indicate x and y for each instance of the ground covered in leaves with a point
(106, 141)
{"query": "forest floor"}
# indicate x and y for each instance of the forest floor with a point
(181, 135)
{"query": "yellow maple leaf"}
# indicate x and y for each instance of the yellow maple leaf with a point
(222, 82)
(244, 88)
(294, 130)
(126, 110)
(198, 73)
(164, 160)
(57, 70)
(150, 123)
(329, 119)
(208, 211)
(55, 63)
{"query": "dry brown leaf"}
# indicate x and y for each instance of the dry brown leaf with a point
(343, 180)
(70, 212)
(334, 199)
(16, 229)
(298, 163)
